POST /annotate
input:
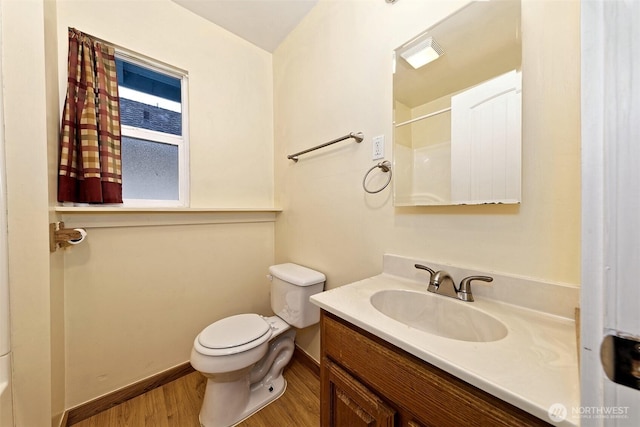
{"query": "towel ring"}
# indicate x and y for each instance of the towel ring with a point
(386, 167)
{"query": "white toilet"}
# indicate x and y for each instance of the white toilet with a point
(243, 356)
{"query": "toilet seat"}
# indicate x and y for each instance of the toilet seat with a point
(234, 334)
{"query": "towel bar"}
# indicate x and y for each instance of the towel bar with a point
(357, 136)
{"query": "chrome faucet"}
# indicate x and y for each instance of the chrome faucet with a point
(442, 283)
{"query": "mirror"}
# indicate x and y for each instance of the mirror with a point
(457, 119)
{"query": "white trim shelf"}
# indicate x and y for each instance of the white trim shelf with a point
(105, 217)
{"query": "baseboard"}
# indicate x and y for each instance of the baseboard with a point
(86, 410)
(308, 361)
(93, 407)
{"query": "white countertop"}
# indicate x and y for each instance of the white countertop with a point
(534, 367)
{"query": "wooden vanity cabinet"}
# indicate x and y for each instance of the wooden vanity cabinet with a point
(366, 381)
(351, 403)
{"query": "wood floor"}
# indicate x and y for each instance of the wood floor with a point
(177, 404)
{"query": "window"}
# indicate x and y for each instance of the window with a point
(154, 133)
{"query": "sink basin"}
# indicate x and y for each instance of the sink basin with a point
(439, 315)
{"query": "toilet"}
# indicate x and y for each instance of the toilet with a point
(243, 356)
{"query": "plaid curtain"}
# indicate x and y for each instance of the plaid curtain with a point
(90, 169)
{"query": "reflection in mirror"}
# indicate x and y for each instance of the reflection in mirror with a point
(457, 109)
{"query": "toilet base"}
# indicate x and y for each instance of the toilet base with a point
(261, 395)
(228, 403)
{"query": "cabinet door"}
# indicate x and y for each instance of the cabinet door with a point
(348, 403)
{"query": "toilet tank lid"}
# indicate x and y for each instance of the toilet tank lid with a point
(296, 274)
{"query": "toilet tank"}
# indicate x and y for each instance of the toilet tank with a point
(291, 287)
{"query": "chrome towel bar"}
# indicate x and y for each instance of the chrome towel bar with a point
(357, 136)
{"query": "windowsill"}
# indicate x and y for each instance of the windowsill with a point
(119, 209)
(117, 216)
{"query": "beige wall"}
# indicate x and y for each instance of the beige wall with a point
(26, 132)
(56, 260)
(230, 82)
(136, 296)
(230, 91)
(333, 75)
(436, 129)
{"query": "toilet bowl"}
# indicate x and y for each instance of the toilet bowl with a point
(243, 356)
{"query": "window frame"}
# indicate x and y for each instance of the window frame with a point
(180, 141)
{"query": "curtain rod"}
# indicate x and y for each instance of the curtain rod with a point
(127, 53)
(426, 116)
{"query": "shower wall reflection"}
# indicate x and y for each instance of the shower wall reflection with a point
(457, 119)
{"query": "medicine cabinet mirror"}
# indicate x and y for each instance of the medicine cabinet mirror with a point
(457, 118)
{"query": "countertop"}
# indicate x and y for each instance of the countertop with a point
(534, 367)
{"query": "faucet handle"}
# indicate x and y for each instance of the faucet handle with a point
(424, 267)
(464, 292)
(432, 287)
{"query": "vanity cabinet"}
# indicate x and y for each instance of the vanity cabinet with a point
(351, 403)
(366, 381)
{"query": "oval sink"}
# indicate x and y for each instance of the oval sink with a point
(439, 315)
